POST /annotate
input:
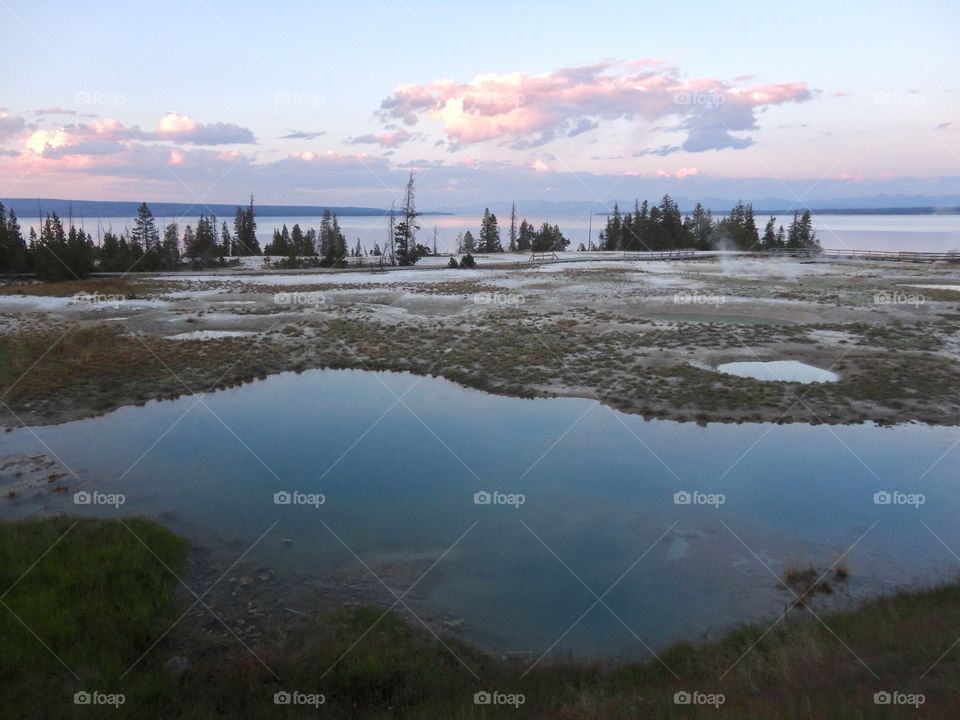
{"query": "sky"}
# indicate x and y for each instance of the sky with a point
(334, 103)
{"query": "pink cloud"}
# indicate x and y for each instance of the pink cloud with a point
(390, 139)
(531, 110)
(182, 128)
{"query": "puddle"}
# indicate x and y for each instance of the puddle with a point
(209, 334)
(779, 370)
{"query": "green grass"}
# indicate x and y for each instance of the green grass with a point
(99, 599)
(86, 595)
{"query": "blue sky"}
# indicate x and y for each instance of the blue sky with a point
(486, 101)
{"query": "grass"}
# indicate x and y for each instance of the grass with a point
(114, 286)
(93, 597)
(99, 599)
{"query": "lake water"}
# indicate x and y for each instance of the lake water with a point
(921, 233)
(630, 509)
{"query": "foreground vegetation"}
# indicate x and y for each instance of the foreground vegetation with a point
(101, 596)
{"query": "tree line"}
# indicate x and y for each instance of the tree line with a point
(664, 227)
(60, 252)
(521, 238)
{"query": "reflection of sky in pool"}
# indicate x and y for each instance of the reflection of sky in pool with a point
(782, 370)
(599, 510)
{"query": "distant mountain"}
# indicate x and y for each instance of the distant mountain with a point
(874, 205)
(33, 207)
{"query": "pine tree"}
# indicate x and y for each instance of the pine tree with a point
(513, 228)
(405, 231)
(769, 239)
(489, 233)
(171, 246)
(145, 230)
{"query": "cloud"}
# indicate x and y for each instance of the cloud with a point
(302, 135)
(182, 128)
(533, 110)
(389, 139)
(944, 126)
(10, 125)
(54, 111)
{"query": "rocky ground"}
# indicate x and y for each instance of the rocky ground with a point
(642, 336)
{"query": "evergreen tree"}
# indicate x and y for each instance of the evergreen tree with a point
(769, 239)
(525, 237)
(405, 231)
(549, 239)
(171, 246)
(490, 233)
(13, 248)
(144, 231)
(245, 231)
(226, 242)
(513, 228)
(59, 254)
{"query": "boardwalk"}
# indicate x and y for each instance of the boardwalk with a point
(888, 255)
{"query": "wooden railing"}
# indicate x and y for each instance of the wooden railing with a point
(889, 255)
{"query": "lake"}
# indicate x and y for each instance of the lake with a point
(527, 507)
(920, 233)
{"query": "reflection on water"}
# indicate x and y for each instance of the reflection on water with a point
(576, 501)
